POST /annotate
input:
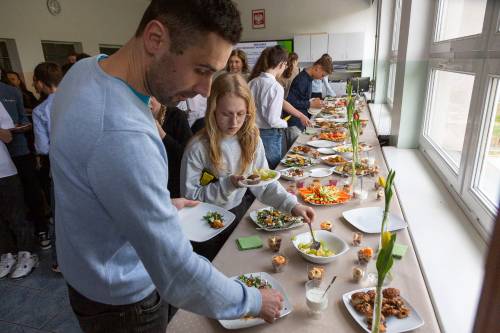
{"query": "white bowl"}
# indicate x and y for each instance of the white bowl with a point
(332, 242)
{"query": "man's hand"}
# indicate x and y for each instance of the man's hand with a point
(305, 121)
(180, 203)
(235, 180)
(305, 212)
(5, 135)
(316, 103)
(272, 302)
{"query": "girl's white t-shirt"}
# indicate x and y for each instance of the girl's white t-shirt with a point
(7, 167)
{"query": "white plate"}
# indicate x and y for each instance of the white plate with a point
(321, 143)
(245, 323)
(262, 182)
(313, 111)
(369, 219)
(394, 325)
(253, 217)
(320, 172)
(327, 151)
(285, 176)
(196, 228)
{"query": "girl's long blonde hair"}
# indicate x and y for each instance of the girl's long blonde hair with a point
(248, 134)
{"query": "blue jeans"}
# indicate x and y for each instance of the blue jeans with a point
(272, 139)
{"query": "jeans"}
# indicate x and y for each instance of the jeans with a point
(147, 316)
(33, 194)
(15, 234)
(272, 139)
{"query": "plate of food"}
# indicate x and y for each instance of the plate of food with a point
(331, 246)
(294, 174)
(321, 143)
(362, 169)
(369, 219)
(334, 160)
(296, 160)
(335, 136)
(270, 219)
(322, 195)
(399, 314)
(204, 221)
(305, 150)
(258, 280)
(260, 177)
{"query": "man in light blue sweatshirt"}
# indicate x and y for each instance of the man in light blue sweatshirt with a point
(119, 243)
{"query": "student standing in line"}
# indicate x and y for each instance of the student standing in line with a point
(46, 78)
(24, 160)
(269, 101)
(291, 71)
(229, 147)
(238, 63)
(301, 88)
(120, 246)
(29, 100)
(317, 85)
(16, 247)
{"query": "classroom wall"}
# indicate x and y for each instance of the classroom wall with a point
(91, 22)
(94, 22)
(284, 18)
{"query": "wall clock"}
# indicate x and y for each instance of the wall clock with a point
(54, 7)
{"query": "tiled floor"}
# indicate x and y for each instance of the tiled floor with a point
(38, 303)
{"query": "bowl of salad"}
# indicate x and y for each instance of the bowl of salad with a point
(331, 248)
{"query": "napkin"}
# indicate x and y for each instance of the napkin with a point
(399, 250)
(249, 243)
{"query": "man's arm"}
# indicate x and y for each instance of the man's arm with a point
(127, 174)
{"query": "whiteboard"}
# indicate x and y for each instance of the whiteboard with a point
(255, 48)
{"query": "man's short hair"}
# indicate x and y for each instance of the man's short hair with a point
(49, 73)
(186, 19)
(326, 63)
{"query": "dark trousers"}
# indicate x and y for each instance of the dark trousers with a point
(147, 316)
(15, 235)
(211, 247)
(33, 194)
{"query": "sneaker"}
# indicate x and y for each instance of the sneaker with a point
(7, 263)
(26, 262)
(44, 240)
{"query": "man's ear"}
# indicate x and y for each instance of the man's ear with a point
(155, 38)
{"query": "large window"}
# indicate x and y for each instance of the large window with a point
(391, 82)
(460, 18)
(461, 132)
(450, 97)
(58, 51)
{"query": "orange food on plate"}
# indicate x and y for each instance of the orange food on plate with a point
(333, 136)
(324, 195)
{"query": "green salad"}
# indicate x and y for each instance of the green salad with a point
(254, 281)
(274, 219)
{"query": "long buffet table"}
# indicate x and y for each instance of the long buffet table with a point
(406, 272)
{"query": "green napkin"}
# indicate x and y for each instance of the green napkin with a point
(249, 243)
(399, 250)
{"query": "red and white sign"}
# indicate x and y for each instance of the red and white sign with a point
(258, 18)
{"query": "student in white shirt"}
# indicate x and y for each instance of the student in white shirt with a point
(15, 245)
(269, 97)
(226, 149)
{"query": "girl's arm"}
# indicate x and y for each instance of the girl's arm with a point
(288, 108)
(273, 194)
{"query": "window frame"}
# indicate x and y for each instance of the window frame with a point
(109, 46)
(477, 55)
(77, 46)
